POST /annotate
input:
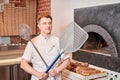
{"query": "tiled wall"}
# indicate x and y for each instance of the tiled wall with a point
(4, 40)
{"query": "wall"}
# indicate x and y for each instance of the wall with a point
(44, 7)
(4, 40)
(62, 11)
(15, 13)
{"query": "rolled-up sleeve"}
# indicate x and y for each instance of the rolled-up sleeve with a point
(27, 55)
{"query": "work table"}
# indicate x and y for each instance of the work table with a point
(10, 57)
(10, 65)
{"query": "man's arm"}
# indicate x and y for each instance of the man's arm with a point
(63, 64)
(28, 68)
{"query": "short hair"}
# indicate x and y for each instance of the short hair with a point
(44, 15)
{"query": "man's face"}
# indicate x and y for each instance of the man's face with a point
(45, 25)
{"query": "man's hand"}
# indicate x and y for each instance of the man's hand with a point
(52, 72)
(43, 76)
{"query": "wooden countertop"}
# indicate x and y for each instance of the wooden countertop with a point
(10, 57)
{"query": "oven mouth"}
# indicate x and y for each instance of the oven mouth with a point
(96, 44)
(99, 41)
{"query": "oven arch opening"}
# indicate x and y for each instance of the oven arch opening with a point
(99, 41)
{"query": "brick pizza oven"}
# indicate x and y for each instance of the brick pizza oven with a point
(102, 23)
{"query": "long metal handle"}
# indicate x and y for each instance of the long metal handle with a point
(39, 54)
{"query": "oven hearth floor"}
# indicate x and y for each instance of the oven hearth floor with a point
(104, 51)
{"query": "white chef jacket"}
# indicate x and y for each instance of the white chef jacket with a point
(48, 48)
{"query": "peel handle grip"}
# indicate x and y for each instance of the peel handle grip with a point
(49, 67)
